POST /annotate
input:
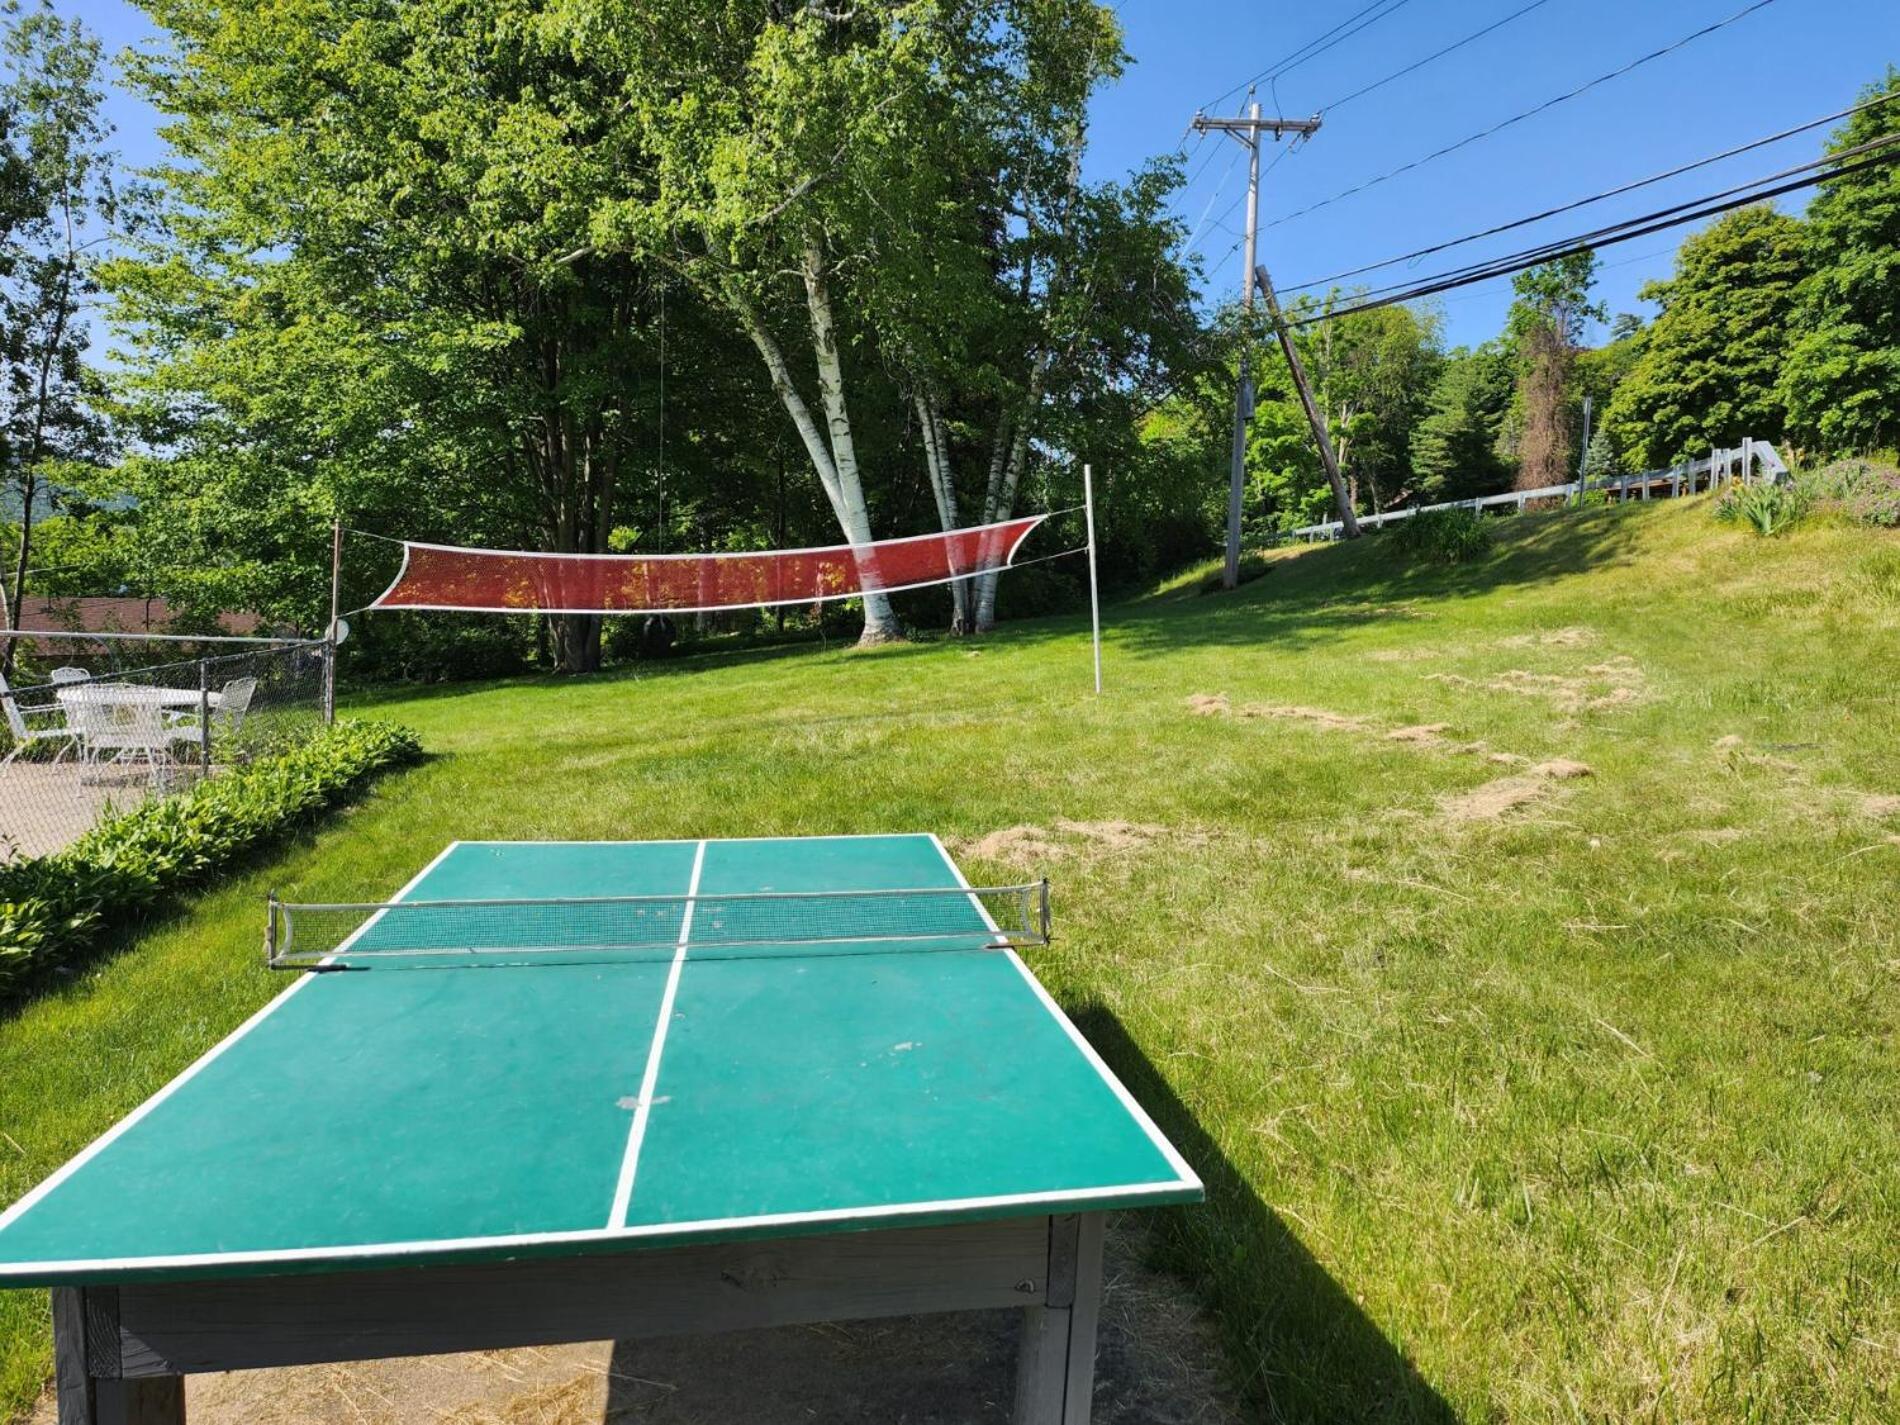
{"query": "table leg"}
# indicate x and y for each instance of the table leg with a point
(85, 1326)
(1055, 1372)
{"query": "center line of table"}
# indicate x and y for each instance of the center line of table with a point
(649, 1083)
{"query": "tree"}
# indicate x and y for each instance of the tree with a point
(1545, 326)
(371, 295)
(1600, 460)
(1708, 368)
(55, 181)
(1841, 379)
(1454, 448)
(899, 187)
(1371, 374)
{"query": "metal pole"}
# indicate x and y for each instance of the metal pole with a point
(1243, 390)
(204, 716)
(329, 634)
(1583, 457)
(1095, 600)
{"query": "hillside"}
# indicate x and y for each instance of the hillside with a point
(1511, 947)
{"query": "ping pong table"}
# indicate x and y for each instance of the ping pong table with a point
(446, 1155)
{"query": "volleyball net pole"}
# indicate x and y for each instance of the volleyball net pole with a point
(1095, 599)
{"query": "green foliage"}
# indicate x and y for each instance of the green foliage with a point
(1841, 380)
(1455, 443)
(1454, 536)
(1600, 460)
(55, 182)
(1709, 362)
(1768, 509)
(1866, 491)
(1371, 374)
(52, 907)
(1544, 327)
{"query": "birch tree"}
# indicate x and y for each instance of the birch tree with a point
(58, 183)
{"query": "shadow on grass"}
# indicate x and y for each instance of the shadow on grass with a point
(1306, 600)
(1300, 1347)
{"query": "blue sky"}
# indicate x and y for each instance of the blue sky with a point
(1787, 63)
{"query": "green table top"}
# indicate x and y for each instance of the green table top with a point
(476, 1112)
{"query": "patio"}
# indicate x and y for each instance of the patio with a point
(45, 806)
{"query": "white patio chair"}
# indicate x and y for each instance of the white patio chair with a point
(53, 726)
(128, 731)
(233, 702)
(63, 677)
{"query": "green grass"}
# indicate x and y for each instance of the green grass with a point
(1585, 1112)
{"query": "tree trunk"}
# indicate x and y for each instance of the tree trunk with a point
(36, 445)
(29, 488)
(1544, 450)
(1005, 477)
(943, 487)
(880, 621)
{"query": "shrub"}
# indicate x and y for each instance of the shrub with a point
(1767, 509)
(1866, 491)
(1454, 536)
(52, 906)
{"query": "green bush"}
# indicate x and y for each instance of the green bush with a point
(1454, 536)
(52, 906)
(1767, 509)
(1866, 491)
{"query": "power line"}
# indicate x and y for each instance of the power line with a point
(1314, 47)
(1440, 54)
(1595, 197)
(1528, 113)
(1641, 227)
(1872, 146)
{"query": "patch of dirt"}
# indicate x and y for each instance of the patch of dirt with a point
(1499, 798)
(1562, 769)
(1033, 845)
(1016, 845)
(1158, 1363)
(1573, 637)
(1426, 734)
(1727, 741)
(1617, 683)
(1879, 806)
(1319, 717)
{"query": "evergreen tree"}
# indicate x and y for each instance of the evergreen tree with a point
(1454, 446)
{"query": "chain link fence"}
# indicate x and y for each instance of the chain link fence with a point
(92, 725)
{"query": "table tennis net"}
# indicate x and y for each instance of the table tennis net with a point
(422, 932)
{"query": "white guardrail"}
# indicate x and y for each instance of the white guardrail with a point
(1718, 467)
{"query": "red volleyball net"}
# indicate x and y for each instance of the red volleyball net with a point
(436, 576)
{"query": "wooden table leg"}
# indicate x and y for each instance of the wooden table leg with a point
(87, 1386)
(1055, 1372)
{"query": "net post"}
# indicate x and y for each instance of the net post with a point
(1095, 600)
(270, 929)
(1042, 910)
(204, 717)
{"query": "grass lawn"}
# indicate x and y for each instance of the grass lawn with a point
(1521, 1093)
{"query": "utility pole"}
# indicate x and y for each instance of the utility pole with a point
(1246, 131)
(1348, 522)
